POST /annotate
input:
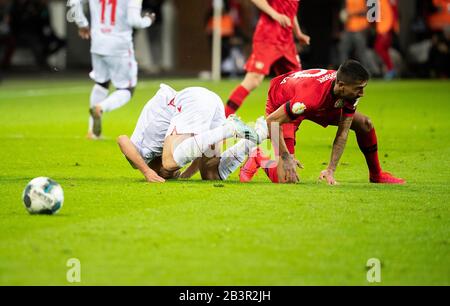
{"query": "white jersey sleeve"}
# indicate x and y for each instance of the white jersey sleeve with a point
(135, 19)
(76, 13)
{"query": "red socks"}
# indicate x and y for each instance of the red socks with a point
(368, 145)
(236, 99)
(272, 173)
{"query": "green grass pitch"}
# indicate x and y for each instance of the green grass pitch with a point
(125, 231)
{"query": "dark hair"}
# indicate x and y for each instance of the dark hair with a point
(352, 72)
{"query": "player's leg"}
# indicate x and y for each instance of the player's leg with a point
(252, 80)
(257, 66)
(220, 168)
(100, 75)
(181, 149)
(123, 72)
(98, 93)
(257, 159)
(368, 144)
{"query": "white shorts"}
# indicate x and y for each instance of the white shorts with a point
(197, 110)
(122, 71)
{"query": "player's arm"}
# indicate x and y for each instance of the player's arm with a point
(192, 169)
(338, 148)
(264, 6)
(134, 15)
(133, 156)
(76, 14)
(302, 37)
(274, 122)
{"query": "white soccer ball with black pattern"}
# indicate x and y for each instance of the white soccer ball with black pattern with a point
(43, 196)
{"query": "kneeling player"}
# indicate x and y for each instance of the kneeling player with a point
(325, 97)
(176, 128)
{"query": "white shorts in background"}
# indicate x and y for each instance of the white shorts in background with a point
(197, 110)
(121, 71)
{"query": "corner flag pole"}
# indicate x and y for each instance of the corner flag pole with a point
(217, 40)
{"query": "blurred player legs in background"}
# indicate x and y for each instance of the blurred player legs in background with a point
(112, 50)
(273, 47)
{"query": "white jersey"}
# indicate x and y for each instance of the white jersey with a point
(112, 23)
(153, 123)
(193, 110)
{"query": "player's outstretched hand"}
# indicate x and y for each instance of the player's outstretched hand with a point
(85, 33)
(152, 177)
(328, 175)
(283, 20)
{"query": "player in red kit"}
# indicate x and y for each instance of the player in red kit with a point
(273, 47)
(325, 97)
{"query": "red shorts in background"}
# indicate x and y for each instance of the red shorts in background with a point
(282, 59)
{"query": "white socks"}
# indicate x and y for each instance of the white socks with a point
(232, 158)
(98, 94)
(115, 100)
(194, 147)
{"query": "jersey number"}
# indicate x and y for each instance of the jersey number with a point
(113, 4)
(314, 73)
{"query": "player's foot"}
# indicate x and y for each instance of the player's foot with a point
(90, 135)
(96, 113)
(242, 130)
(385, 178)
(262, 129)
(250, 167)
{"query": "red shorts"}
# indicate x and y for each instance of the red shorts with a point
(282, 59)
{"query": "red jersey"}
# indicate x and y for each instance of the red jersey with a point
(270, 31)
(308, 94)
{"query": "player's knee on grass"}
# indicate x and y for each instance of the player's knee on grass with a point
(209, 168)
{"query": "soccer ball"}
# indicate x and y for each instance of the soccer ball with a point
(43, 196)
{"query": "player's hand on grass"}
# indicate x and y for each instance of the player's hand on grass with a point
(290, 168)
(85, 33)
(328, 176)
(152, 177)
(283, 20)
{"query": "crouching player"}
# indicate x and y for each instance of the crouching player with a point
(177, 128)
(325, 97)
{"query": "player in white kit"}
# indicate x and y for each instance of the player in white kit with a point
(112, 51)
(176, 128)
